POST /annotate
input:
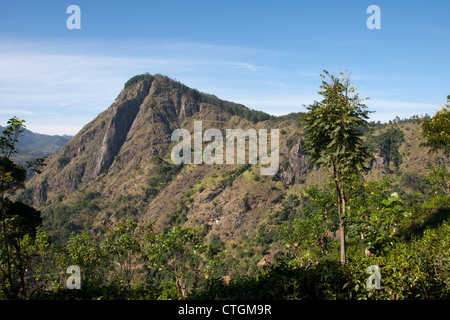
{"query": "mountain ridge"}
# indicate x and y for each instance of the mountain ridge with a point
(34, 145)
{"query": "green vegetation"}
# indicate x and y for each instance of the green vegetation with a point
(165, 173)
(229, 176)
(142, 77)
(63, 161)
(388, 143)
(410, 244)
(251, 115)
(126, 261)
(259, 238)
(436, 130)
(19, 221)
(332, 140)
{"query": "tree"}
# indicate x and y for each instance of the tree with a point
(18, 219)
(84, 251)
(124, 248)
(183, 255)
(307, 236)
(332, 139)
(436, 131)
(388, 143)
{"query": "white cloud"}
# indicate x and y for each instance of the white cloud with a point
(248, 66)
(13, 112)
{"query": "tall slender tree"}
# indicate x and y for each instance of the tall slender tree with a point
(331, 138)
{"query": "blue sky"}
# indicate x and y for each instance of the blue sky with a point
(267, 55)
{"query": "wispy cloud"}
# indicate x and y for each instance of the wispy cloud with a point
(248, 66)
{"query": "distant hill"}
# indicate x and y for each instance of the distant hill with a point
(119, 166)
(35, 145)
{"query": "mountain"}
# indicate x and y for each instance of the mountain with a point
(119, 167)
(35, 145)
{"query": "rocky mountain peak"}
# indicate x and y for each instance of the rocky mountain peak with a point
(136, 126)
(124, 111)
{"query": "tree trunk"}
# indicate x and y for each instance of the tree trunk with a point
(342, 231)
(181, 289)
(339, 184)
(342, 220)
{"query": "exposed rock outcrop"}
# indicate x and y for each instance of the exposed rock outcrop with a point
(299, 165)
(117, 131)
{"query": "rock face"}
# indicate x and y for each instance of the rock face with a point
(379, 161)
(298, 166)
(125, 111)
(299, 161)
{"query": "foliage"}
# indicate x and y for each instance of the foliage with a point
(331, 138)
(182, 253)
(229, 176)
(281, 282)
(414, 262)
(62, 161)
(388, 143)
(135, 262)
(380, 224)
(125, 261)
(307, 235)
(330, 126)
(83, 251)
(125, 251)
(19, 221)
(251, 115)
(132, 81)
(436, 130)
(288, 211)
(412, 270)
(165, 173)
(438, 178)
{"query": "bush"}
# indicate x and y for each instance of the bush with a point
(63, 161)
(281, 282)
(417, 270)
